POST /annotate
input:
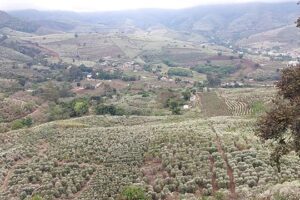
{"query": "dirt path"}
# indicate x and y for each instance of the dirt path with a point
(152, 169)
(228, 167)
(214, 175)
(85, 187)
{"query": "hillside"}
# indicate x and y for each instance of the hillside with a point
(94, 105)
(16, 24)
(287, 37)
(229, 22)
(171, 157)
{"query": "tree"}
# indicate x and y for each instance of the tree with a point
(81, 107)
(51, 92)
(21, 123)
(213, 79)
(186, 95)
(174, 107)
(57, 112)
(281, 125)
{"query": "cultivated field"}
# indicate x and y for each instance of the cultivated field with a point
(171, 157)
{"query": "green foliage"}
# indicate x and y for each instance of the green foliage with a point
(36, 197)
(84, 68)
(17, 124)
(219, 70)
(64, 110)
(282, 124)
(104, 75)
(21, 123)
(220, 196)
(257, 107)
(186, 95)
(81, 108)
(57, 112)
(169, 63)
(147, 68)
(176, 71)
(126, 77)
(144, 94)
(213, 80)
(50, 92)
(109, 109)
(174, 106)
(133, 193)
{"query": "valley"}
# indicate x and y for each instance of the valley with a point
(161, 103)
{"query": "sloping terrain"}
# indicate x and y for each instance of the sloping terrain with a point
(287, 38)
(233, 21)
(16, 24)
(171, 157)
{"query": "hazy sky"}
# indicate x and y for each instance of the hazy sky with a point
(105, 5)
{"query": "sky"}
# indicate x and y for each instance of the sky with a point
(108, 5)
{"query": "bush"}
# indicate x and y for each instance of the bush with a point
(109, 109)
(133, 193)
(180, 72)
(36, 197)
(81, 107)
(21, 123)
(169, 63)
(130, 78)
(220, 70)
(104, 75)
(174, 107)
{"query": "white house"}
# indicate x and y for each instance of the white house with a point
(186, 107)
(293, 63)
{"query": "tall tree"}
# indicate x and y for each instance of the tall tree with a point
(281, 125)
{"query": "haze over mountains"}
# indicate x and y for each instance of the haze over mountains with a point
(230, 21)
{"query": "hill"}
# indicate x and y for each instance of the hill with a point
(16, 24)
(170, 157)
(231, 22)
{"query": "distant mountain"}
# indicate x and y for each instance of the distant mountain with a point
(226, 22)
(7, 21)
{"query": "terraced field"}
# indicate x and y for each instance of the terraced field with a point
(246, 101)
(170, 157)
(213, 105)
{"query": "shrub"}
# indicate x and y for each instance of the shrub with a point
(174, 107)
(219, 196)
(219, 70)
(109, 109)
(36, 197)
(81, 107)
(133, 193)
(21, 123)
(180, 72)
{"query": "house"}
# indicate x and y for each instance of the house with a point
(89, 76)
(293, 63)
(186, 107)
